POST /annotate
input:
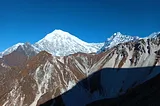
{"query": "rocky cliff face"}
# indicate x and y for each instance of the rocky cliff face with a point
(41, 77)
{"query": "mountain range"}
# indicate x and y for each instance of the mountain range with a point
(62, 70)
(61, 43)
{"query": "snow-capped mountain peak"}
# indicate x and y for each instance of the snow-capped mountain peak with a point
(61, 43)
(56, 34)
(116, 39)
(58, 43)
(59, 34)
(117, 34)
(10, 49)
(23, 46)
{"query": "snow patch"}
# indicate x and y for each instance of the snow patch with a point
(3, 65)
(71, 84)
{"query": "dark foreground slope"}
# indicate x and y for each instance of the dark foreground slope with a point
(146, 94)
(129, 82)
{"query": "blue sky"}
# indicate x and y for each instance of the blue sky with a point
(90, 20)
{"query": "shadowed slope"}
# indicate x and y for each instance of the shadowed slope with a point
(146, 94)
(106, 83)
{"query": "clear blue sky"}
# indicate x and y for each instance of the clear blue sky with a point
(90, 20)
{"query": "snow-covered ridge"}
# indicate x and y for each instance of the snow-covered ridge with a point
(154, 34)
(116, 39)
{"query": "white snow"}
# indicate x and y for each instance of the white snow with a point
(5, 104)
(3, 65)
(71, 84)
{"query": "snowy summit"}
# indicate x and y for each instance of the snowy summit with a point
(61, 43)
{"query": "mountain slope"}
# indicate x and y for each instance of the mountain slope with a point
(44, 76)
(60, 43)
(101, 85)
(119, 69)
